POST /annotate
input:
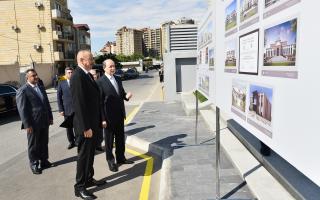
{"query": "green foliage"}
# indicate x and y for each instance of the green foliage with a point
(99, 59)
(201, 98)
(133, 57)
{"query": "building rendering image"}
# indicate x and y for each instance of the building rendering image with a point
(280, 44)
(260, 101)
(248, 8)
(231, 15)
(239, 97)
(268, 3)
(230, 54)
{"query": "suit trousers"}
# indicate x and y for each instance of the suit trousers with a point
(38, 144)
(70, 133)
(99, 137)
(86, 150)
(115, 132)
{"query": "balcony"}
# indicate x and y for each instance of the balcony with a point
(63, 36)
(58, 56)
(62, 16)
(69, 55)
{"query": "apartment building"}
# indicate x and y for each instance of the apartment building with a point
(129, 41)
(82, 37)
(109, 47)
(36, 34)
(152, 42)
(164, 28)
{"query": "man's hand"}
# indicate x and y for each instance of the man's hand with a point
(104, 124)
(62, 113)
(87, 133)
(29, 130)
(129, 95)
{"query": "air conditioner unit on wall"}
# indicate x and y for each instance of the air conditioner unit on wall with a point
(37, 47)
(38, 4)
(14, 27)
(40, 26)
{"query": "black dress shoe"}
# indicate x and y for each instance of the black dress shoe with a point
(35, 168)
(46, 164)
(71, 145)
(112, 166)
(94, 182)
(84, 194)
(125, 162)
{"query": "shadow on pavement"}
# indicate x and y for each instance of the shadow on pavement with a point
(138, 170)
(137, 130)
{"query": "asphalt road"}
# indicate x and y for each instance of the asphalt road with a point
(17, 181)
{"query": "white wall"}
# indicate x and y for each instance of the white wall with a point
(169, 60)
(295, 110)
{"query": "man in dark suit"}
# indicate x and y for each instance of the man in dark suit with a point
(65, 103)
(112, 95)
(96, 75)
(86, 122)
(36, 116)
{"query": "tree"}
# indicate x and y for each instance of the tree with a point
(99, 59)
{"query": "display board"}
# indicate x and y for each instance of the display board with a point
(265, 77)
(206, 56)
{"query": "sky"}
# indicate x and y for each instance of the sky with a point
(105, 17)
(282, 32)
(231, 7)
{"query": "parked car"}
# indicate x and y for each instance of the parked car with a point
(120, 73)
(7, 98)
(131, 73)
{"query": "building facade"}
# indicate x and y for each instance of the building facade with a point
(152, 42)
(281, 48)
(36, 34)
(179, 57)
(164, 28)
(82, 37)
(109, 47)
(129, 41)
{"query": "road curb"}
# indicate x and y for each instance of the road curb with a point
(164, 153)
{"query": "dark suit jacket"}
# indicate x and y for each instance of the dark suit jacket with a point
(64, 98)
(111, 102)
(86, 102)
(33, 111)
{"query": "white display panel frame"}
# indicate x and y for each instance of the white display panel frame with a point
(249, 53)
(295, 110)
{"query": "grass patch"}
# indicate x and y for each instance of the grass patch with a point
(201, 97)
(231, 25)
(280, 64)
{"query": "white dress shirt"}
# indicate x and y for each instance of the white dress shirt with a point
(37, 89)
(113, 82)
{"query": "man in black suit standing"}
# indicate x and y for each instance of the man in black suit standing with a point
(65, 103)
(112, 95)
(86, 122)
(36, 116)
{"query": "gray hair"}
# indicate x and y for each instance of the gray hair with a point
(104, 64)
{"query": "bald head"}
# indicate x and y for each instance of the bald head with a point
(85, 59)
(109, 67)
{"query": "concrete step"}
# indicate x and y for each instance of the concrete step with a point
(189, 103)
(262, 184)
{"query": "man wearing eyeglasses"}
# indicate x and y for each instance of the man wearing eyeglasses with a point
(36, 116)
(64, 99)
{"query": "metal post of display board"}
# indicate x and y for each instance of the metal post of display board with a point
(217, 153)
(197, 109)
(218, 156)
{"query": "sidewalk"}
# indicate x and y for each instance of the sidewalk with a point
(188, 169)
